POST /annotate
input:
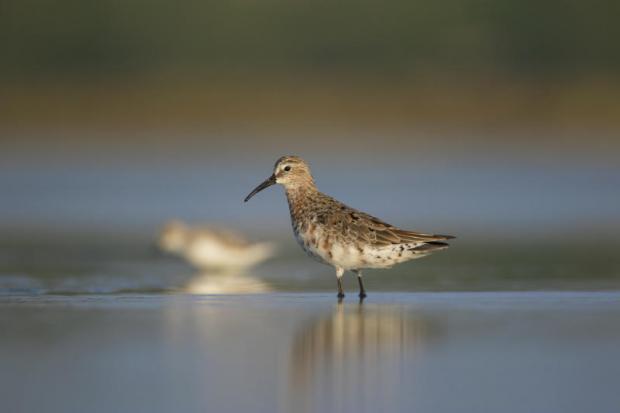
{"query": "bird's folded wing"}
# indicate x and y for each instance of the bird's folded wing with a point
(376, 232)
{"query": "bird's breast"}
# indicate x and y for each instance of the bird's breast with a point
(327, 247)
(309, 237)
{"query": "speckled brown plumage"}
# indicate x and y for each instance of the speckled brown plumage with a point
(339, 235)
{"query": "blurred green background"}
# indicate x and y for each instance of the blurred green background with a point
(272, 63)
(534, 38)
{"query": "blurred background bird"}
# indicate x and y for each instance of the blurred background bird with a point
(210, 248)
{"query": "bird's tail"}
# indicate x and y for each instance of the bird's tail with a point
(429, 247)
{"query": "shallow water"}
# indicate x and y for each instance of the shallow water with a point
(424, 352)
(108, 324)
(117, 265)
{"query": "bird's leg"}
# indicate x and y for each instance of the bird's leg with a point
(361, 283)
(339, 274)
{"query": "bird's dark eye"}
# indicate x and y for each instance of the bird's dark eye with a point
(287, 168)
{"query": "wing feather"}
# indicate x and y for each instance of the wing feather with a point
(374, 231)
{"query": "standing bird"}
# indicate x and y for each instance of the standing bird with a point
(338, 235)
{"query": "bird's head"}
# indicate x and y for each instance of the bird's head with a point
(173, 237)
(290, 171)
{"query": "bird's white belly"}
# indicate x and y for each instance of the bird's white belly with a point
(350, 256)
(346, 256)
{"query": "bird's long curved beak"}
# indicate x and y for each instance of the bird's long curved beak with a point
(266, 184)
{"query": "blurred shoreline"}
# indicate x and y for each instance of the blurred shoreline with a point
(282, 103)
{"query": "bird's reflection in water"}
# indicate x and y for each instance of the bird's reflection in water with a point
(354, 358)
(225, 282)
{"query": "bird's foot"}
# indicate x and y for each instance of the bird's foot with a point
(362, 295)
(340, 295)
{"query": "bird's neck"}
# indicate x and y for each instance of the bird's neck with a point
(299, 199)
(296, 193)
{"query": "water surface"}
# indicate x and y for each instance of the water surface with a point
(423, 352)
